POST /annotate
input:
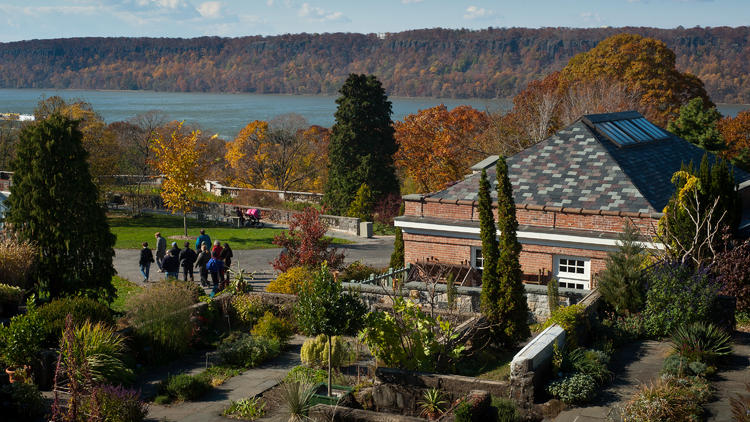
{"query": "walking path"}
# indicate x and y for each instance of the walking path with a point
(375, 251)
(641, 363)
(210, 406)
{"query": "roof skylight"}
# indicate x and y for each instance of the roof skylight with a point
(624, 129)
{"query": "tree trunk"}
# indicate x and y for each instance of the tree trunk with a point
(329, 365)
(184, 222)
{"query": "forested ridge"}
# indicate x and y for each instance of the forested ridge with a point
(430, 62)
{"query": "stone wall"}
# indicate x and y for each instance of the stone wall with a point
(529, 369)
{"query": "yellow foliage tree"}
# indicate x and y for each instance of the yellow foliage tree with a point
(179, 158)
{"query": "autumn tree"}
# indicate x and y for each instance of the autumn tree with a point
(178, 157)
(644, 63)
(511, 304)
(362, 145)
(437, 146)
(736, 134)
(283, 154)
(99, 142)
(697, 123)
(134, 138)
(54, 204)
(305, 243)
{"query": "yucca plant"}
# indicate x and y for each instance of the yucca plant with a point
(297, 397)
(433, 403)
(701, 342)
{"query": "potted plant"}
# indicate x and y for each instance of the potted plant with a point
(432, 404)
(21, 344)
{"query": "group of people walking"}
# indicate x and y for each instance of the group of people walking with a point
(214, 261)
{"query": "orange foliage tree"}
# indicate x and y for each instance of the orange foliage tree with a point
(643, 63)
(179, 157)
(437, 146)
(736, 134)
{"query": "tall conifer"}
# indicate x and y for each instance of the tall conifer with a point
(397, 257)
(54, 203)
(512, 301)
(488, 233)
(362, 144)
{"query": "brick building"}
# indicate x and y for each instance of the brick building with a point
(574, 192)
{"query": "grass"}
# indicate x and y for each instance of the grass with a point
(125, 289)
(488, 365)
(132, 231)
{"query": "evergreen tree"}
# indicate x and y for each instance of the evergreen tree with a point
(397, 257)
(490, 297)
(623, 282)
(697, 123)
(511, 300)
(53, 203)
(362, 144)
(361, 206)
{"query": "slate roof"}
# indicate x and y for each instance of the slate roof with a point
(580, 167)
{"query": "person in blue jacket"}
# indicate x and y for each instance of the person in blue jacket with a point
(202, 239)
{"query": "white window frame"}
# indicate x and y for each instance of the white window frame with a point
(474, 250)
(573, 280)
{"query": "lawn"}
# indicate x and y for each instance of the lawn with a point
(132, 231)
(125, 289)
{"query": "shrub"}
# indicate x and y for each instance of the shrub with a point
(184, 387)
(250, 408)
(357, 271)
(677, 296)
(290, 281)
(362, 205)
(307, 375)
(569, 318)
(315, 352)
(10, 294)
(668, 399)
(246, 309)
(730, 268)
(82, 309)
(506, 410)
(590, 362)
(273, 327)
(119, 404)
(553, 295)
(247, 351)
(21, 402)
(623, 281)
(625, 329)
(21, 340)
(217, 375)
(701, 342)
(17, 259)
(679, 366)
(462, 412)
(574, 389)
(101, 348)
(305, 244)
(160, 317)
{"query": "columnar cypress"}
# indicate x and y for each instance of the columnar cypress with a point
(362, 144)
(511, 303)
(397, 257)
(488, 233)
(54, 203)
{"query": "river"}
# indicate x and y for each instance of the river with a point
(226, 114)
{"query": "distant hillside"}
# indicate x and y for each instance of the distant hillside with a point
(430, 62)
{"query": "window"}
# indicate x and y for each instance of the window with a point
(573, 272)
(477, 261)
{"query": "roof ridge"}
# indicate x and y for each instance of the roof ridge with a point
(601, 141)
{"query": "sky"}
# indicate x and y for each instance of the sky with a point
(40, 19)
